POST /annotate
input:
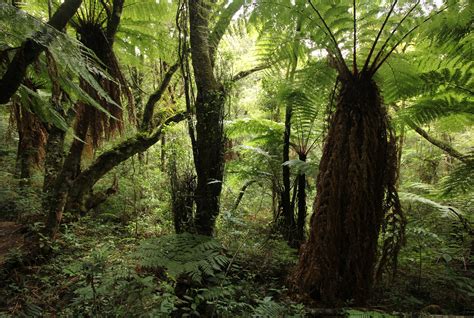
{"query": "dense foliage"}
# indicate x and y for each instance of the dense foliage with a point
(236, 158)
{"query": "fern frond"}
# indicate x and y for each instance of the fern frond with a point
(460, 181)
(446, 211)
(197, 256)
(73, 59)
(428, 109)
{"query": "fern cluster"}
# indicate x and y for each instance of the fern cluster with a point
(196, 256)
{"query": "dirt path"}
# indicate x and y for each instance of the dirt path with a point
(11, 237)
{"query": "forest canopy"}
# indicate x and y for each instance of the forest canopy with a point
(236, 158)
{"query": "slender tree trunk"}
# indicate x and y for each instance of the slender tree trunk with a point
(241, 194)
(275, 200)
(446, 147)
(301, 218)
(52, 201)
(288, 225)
(337, 262)
(54, 158)
(209, 126)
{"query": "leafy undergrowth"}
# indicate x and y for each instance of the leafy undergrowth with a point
(102, 270)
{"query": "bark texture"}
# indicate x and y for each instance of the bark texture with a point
(301, 216)
(183, 186)
(337, 262)
(32, 138)
(209, 125)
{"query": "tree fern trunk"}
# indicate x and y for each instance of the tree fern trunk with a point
(301, 216)
(287, 222)
(337, 262)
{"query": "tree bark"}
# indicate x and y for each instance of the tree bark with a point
(30, 51)
(355, 180)
(182, 197)
(32, 138)
(301, 216)
(209, 125)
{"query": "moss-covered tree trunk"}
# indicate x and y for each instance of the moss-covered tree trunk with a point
(337, 262)
(56, 196)
(108, 160)
(209, 115)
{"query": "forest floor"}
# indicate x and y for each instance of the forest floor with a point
(11, 237)
(93, 272)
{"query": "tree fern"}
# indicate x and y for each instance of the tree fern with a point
(73, 59)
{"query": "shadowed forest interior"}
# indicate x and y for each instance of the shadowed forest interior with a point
(236, 158)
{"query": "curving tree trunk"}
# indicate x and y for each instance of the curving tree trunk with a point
(337, 262)
(108, 160)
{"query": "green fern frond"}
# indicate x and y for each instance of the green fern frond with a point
(257, 130)
(446, 211)
(268, 308)
(73, 60)
(197, 256)
(460, 181)
(428, 109)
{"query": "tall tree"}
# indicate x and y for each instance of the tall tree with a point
(209, 107)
